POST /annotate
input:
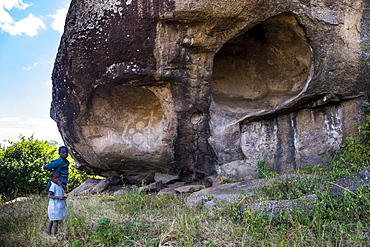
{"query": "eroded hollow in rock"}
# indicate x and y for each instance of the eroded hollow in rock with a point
(124, 127)
(262, 67)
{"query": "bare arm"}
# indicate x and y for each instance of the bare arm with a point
(51, 196)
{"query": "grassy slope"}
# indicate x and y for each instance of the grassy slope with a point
(148, 220)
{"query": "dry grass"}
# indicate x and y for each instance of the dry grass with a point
(149, 220)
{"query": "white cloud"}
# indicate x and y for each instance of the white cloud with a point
(59, 19)
(40, 128)
(35, 64)
(9, 119)
(49, 83)
(9, 4)
(4, 16)
(29, 26)
(34, 121)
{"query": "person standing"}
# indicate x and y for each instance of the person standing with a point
(57, 209)
(59, 165)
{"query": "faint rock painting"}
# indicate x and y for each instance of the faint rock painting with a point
(124, 116)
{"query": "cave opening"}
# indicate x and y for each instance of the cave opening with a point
(262, 67)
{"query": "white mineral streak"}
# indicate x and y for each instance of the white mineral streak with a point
(125, 67)
(333, 127)
(295, 135)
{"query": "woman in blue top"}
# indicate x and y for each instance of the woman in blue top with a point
(59, 165)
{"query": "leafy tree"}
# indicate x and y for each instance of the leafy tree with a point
(21, 167)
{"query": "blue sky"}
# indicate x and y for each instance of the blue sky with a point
(30, 32)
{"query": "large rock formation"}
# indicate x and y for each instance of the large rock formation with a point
(184, 86)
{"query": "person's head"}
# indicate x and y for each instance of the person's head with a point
(55, 177)
(63, 152)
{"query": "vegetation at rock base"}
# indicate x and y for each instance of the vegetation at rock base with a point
(147, 220)
(134, 219)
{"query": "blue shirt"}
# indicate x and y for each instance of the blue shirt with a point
(59, 165)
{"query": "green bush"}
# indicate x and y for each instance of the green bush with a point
(21, 167)
(292, 188)
(106, 233)
(263, 169)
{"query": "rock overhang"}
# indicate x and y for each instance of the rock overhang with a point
(171, 86)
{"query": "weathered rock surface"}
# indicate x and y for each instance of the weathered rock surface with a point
(182, 87)
(273, 208)
(209, 197)
(239, 169)
(94, 186)
(352, 183)
(232, 191)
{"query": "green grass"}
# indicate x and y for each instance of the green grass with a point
(150, 220)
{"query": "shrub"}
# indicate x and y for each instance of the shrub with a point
(21, 165)
(21, 168)
(263, 169)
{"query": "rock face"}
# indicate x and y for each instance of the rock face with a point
(183, 87)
